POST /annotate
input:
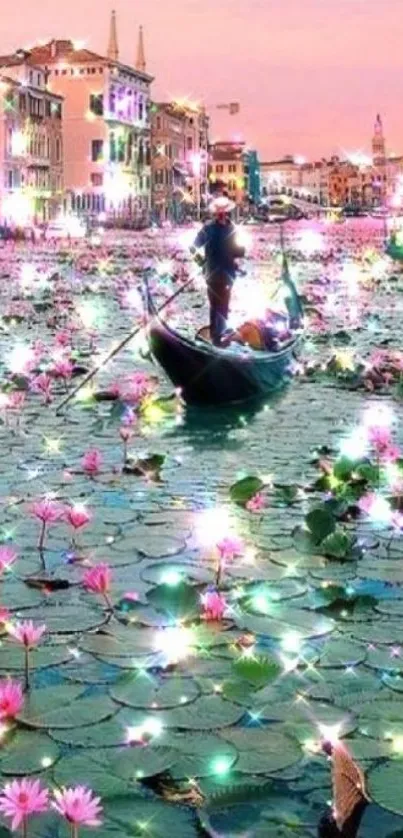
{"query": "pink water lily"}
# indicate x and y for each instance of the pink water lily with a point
(98, 580)
(214, 606)
(79, 806)
(42, 383)
(256, 503)
(92, 461)
(7, 558)
(228, 549)
(28, 635)
(20, 799)
(78, 516)
(11, 698)
(48, 512)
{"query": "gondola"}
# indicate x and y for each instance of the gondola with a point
(211, 375)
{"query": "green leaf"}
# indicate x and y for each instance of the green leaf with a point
(149, 467)
(26, 752)
(262, 750)
(151, 817)
(320, 524)
(83, 769)
(286, 495)
(385, 786)
(243, 490)
(142, 690)
(258, 671)
(180, 601)
(338, 545)
(343, 468)
(64, 707)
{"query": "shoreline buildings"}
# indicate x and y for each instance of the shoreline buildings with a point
(31, 143)
(106, 126)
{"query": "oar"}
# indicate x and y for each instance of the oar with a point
(118, 348)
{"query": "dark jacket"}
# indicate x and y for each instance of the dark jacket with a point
(221, 249)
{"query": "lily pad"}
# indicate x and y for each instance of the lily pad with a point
(243, 490)
(142, 690)
(181, 601)
(64, 707)
(28, 753)
(83, 769)
(206, 713)
(262, 750)
(385, 784)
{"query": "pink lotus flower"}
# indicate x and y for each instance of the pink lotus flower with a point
(92, 461)
(48, 512)
(256, 503)
(380, 438)
(98, 580)
(228, 548)
(42, 383)
(77, 516)
(26, 633)
(29, 636)
(11, 698)
(4, 614)
(21, 798)
(7, 558)
(63, 369)
(214, 605)
(63, 338)
(78, 806)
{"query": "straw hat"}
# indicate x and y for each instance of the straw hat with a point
(221, 205)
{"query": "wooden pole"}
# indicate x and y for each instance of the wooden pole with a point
(116, 349)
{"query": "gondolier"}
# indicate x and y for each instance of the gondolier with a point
(218, 238)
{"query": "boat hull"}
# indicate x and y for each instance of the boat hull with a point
(212, 376)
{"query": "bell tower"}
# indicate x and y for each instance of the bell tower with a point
(378, 143)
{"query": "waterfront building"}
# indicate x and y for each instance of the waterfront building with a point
(31, 143)
(106, 127)
(229, 170)
(169, 169)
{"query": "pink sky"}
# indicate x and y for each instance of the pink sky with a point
(310, 75)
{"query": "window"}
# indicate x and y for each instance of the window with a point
(97, 103)
(158, 122)
(219, 169)
(232, 168)
(112, 147)
(31, 76)
(189, 143)
(39, 79)
(97, 179)
(10, 179)
(48, 109)
(141, 108)
(148, 155)
(97, 150)
(121, 150)
(23, 102)
(112, 100)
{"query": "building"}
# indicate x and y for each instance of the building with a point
(169, 170)
(229, 170)
(106, 126)
(196, 123)
(31, 143)
(280, 175)
(252, 173)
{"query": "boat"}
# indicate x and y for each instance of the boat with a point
(210, 375)
(394, 250)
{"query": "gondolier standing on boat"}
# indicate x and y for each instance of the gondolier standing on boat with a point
(218, 238)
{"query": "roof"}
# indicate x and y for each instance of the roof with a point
(58, 51)
(27, 87)
(18, 59)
